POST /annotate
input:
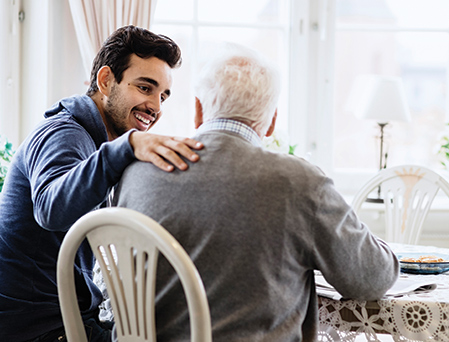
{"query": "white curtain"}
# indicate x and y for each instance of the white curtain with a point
(95, 20)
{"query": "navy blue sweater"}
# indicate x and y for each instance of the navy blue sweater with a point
(63, 170)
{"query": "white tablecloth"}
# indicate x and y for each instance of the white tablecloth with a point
(416, 317)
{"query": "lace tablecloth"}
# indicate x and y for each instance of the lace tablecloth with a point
(415, 317)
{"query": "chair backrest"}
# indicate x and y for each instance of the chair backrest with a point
(126, 244)
(407, 192)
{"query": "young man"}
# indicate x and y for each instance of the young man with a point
(256, 223)
(66, 168)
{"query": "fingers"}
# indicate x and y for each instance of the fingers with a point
(162, 155)
(181, 146)
(164, 152)
(190, 142)
(156, 160)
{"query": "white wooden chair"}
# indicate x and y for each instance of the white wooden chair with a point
(126, 244)
(407, 192)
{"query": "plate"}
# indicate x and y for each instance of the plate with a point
(423, 267)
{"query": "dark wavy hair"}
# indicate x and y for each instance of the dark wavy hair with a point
(127, 40)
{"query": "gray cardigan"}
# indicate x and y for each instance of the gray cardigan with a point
(256, 225)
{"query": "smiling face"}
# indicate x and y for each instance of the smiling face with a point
(136, 101)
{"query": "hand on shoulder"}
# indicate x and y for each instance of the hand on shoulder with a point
(164, 151)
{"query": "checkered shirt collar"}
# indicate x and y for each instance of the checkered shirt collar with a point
(234, 126)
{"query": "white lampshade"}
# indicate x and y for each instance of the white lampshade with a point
(380, 98)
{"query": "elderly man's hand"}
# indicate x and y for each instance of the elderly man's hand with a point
(160, 149)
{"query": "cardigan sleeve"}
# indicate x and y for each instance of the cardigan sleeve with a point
(357, 263)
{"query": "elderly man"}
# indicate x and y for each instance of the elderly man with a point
(256, 223)
(67, 166)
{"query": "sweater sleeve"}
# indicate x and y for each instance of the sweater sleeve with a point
(69, 177)
(358, 264)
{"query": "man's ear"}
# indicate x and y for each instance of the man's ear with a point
(198, 113)
(273, 124)
(105, 77)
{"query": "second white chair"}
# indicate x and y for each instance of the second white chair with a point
(407, 192)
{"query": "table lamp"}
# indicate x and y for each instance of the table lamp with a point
(380, 98)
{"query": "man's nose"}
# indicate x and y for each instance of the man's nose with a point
(154, 104)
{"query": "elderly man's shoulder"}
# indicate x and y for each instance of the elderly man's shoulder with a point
(259, 160)
(290, 162)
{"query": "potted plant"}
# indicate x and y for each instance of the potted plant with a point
(6, 153)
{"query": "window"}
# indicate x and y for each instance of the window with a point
(198, 25)
(319, 45)
(296, 34)
(405, 38)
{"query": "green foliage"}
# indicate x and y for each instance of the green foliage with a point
(444, 151)
(292, 148)
(6, 153)
(278, 142)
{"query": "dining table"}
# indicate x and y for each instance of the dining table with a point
(417, 316)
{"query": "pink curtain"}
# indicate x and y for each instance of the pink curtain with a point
(95, 20)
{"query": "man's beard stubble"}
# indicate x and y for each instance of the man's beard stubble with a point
(115, 114)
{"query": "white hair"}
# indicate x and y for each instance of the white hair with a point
(241, 84)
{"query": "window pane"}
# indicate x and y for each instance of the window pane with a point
(177, 118)
(394, 13)
(174, 10)
(198, 38)
(248, 11)
(420, 59)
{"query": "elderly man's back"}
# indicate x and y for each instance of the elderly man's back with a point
(256, 225)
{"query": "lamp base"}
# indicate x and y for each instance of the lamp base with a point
(378, 199)
(374, 200)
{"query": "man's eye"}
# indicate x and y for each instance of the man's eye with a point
(145, 89)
